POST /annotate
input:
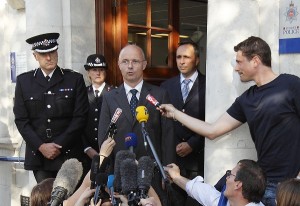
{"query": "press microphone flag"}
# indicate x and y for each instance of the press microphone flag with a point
(152, 100)
(142, 114)
(65, 182)
(130, 141)
(113, 121)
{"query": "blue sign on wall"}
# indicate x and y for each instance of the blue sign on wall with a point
(289, 36)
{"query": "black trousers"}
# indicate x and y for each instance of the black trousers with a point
(40, 175)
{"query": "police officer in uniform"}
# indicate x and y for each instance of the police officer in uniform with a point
(96, 68)
(50, 110)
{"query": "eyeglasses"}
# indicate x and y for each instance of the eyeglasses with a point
(134, 62)
(228, 173)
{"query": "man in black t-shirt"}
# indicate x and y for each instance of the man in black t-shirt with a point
(271, 108)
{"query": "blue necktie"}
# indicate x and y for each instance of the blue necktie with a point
(223, 200)
(133, 102)
(185, 89)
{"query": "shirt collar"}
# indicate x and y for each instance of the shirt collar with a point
(50, 75)
(137, 87)
(193, 77)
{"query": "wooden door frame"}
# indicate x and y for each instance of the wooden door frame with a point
(112, 35)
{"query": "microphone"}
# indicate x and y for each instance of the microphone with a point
(65, 182)
(104, 165)
(130, 141)
(129, 180)
(101, 179)
(110, 186)
(142, 116)
(144, 176)
(94, 170)
(120, 157)
(112, 125)
(152, 100)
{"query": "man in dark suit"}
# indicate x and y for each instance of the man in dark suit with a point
(189, 98)
(50, 110)
(96, 68)
(132, 64)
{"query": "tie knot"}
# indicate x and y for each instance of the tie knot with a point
(186, 81)
(134, 92)
(96, 92)
(47, 78)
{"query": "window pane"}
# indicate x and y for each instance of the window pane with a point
(137, 12)
(138, 37)
(159, 13)
(159, 50)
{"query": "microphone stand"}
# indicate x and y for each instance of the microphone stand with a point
(162, 171)
(146, 136)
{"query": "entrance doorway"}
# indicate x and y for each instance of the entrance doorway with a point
(155, 25)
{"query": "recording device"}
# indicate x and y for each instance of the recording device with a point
(101, 180)
(94, 170)
(129, 180)
(110, 186)
(152, 100)
(111, 130)
(65, 182)
(144, 176)
(120, 157)
(130, 141)
(142, 116)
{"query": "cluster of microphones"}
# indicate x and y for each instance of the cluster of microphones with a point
(130, 178)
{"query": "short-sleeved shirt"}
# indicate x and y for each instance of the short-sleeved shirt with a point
(272, 112)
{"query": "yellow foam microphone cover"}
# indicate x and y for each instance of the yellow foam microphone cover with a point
(142, 114)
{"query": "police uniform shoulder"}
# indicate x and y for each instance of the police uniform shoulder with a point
(69, 70)
(111, 87)
(28, 73)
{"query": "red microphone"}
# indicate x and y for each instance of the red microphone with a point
(152, 100)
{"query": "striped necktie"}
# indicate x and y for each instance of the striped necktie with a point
(185, 89)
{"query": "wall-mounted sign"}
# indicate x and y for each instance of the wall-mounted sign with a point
(289, 19)
(18, 64)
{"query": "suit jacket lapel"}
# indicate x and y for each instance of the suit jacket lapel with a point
(178, 94)
(121, 99)
(193, 91)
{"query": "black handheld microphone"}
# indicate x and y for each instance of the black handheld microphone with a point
(94, 170)
(129, 180)
(112, 125)
(152, 100)
(142, 116)
(104, 165)
(101, 180)
(144, 176)
(65, 182)
(120, 157)
(130, 141)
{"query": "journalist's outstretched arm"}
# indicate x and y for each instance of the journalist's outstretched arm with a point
(224, 124)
